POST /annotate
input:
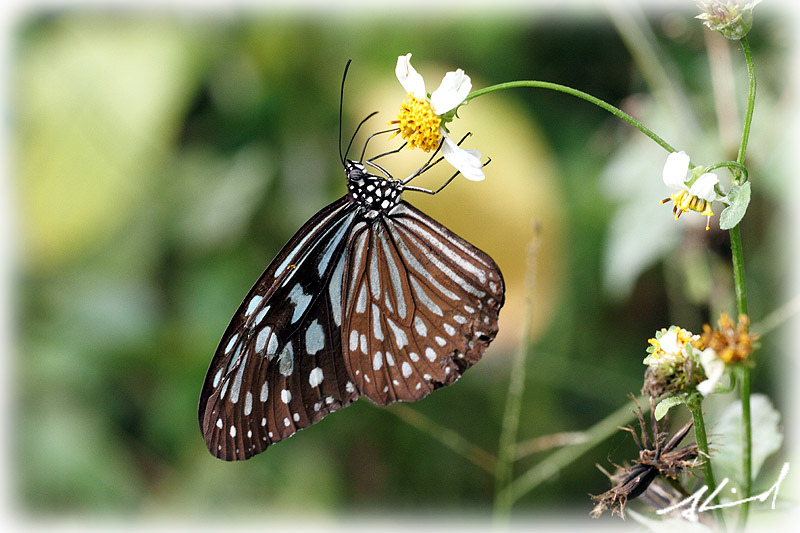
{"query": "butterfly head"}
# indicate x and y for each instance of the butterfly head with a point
(373, 192)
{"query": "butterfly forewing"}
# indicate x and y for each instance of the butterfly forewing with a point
(279, 366)
(421, 306)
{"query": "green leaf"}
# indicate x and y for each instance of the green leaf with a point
(666, 404)
(727, 437)
(738, 200)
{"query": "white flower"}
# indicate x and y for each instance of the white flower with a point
(694, 194)
(714, 368)
(667, 349)
(421, 119)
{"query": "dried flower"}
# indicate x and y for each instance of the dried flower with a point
(657, 457)
(732, 345)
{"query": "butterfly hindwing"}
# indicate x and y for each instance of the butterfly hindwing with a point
(421, 305)
(279, 365)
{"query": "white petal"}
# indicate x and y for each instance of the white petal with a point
(706, 387)
(675, 169)
(704, 186)
(454, 88)
(409, 78)
(714, 368)
(669, 342)
(468, 162)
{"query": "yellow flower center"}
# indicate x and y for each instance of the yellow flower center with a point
(686, 202)
(418, 125)
(675, 347)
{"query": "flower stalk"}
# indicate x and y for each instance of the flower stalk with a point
(695, 406)
(741, 294)
(578, 94)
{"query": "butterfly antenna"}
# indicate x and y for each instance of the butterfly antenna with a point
(353, 138)
(364, 151)
(341, 100)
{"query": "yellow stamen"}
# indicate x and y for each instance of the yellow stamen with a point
(686, 202)
(418, 125)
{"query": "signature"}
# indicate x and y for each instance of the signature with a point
(694, 506)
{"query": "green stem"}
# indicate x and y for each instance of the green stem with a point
(730, 164)
(473, 453)
(578, 94)
(741, 296)
(508, 436)
(562, 457)
(696, 408)
(751, 99)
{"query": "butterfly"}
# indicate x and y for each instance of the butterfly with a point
(371, 297)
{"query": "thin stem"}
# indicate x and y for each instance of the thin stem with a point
(578, 94)
(696, 408)
(473, 453)
(508, 436)
(731, 164)
(747, 446)
(562, 457)
(737, 255)
(751, 99)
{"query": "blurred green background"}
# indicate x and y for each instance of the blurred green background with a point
(161, 159)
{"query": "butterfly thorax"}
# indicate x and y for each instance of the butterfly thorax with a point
(373, 192)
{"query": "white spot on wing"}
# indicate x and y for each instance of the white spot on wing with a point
(300, 300)
(237, 382)
(361, 304)
(425, 299)
(261, 339)
(377, 361)
(420, 326)
(231, 343)
(286, 396)
(394, 275)
(315, 377)
(376, 323)
(399, 335)
(264, 392)
(406, 369)
(335, 292)
(430, 354)
(315, 338)
(254, 301)
(353, 340)
(248, 403)
(261, 314)
(272, 347)
(286, 360)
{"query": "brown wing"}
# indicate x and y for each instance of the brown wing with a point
(421, 305)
